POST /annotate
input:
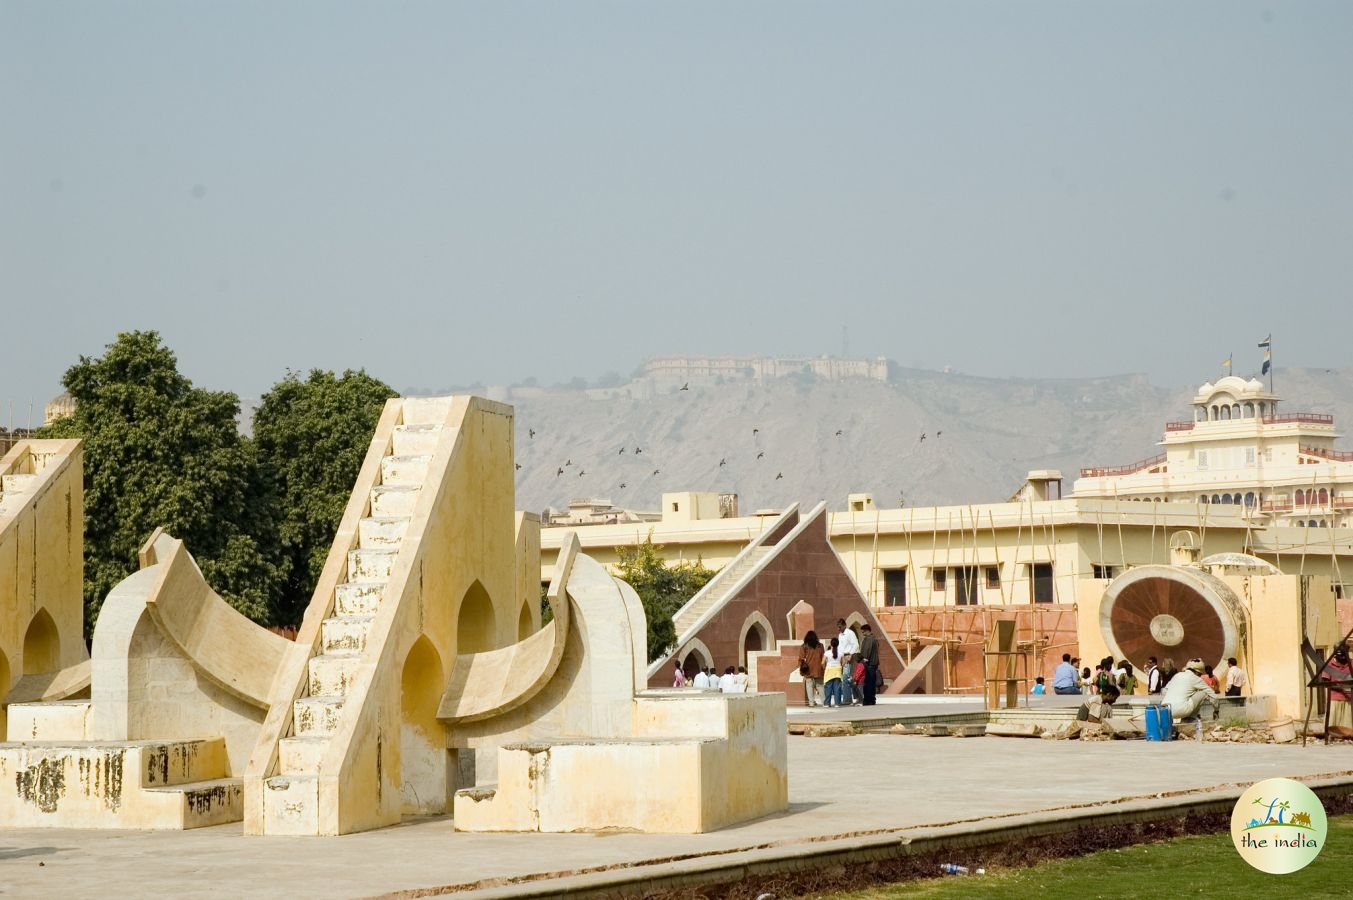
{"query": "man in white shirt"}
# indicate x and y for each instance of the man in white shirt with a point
(701, 681)
(726, 682)
(1187, 692)
(1236, 679)
(849, 646)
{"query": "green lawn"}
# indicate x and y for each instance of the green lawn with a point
(1206, 866)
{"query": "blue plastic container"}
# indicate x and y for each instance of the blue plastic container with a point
(1159, 724)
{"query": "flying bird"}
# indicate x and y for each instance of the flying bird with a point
(655, 471)
(761, 454)
(622, 485)
(922, 437)
(637, 451)
(582, 472)
(722, 463)
(533, 432)
(622, 450)
(568, 463)
(938, 433)
(518, 465)
(755, 432)
(839, 432)
(779, 476)
(559, 472)
(686, 386)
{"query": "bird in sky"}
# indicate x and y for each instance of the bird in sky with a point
(655, 471)
(938, 433)
(622, 450)
(922, 437)
(518, 465)
(623, 485)
(755, 432)
(637, 451)
(582, 472)
(568, 463)
(686, 386)
(722, 463)
(839, 432)
(532, 432)
(761, 454)
(559, 471)
(779, 476)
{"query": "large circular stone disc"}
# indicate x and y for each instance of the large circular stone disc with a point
(1170, 612)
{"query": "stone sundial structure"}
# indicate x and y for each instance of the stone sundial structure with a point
(421, 681)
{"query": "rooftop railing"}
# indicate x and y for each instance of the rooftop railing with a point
(1323, 453)
(1303, 418)
(1102, 471)
(1179, 426)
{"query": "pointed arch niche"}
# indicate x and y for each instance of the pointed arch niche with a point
(41, 645)
(475, 625)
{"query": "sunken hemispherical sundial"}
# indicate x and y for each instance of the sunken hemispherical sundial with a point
(1171, 611)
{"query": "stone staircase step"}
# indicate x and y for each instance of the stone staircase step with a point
(345, 633)
(388, 501)
(331, 673)
(426, 410)
(405, 469)
(370, 565)
(291, 805)
(414, 440)
(316, 716)
(377, 533)
(358, 598)
(205, 803)
(301, 755)
(61, 720)
(17, 484)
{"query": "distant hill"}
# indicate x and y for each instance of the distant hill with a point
(982, 435)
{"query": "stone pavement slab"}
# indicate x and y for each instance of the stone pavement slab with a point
(838, 786)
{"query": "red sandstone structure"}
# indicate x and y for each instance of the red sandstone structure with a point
(756, 611)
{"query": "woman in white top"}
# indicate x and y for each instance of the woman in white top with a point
(831, 674)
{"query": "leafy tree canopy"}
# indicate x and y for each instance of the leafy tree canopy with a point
(311, 437)
(662, 588)
(160, 452)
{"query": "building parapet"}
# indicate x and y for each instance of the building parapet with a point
(1129, 469)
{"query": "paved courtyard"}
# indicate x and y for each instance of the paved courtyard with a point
(837, 786)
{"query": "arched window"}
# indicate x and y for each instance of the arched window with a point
(1226, 498)
(1235, 411)
(1249, 499)
(1312, 523)
(1216, 498)
(1300, 524)
(1299, 498)
(1226, 413)
(1324, 497)
(1215, 416)
(1203, 499)
(1249, 410)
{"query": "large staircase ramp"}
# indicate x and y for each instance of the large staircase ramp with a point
(42, 646)
(729, 581)
(421, 570)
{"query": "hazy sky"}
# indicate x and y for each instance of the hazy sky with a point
(450, 193)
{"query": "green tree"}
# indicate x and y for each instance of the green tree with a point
(159, 452)
(311, 437)
(662, 588)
